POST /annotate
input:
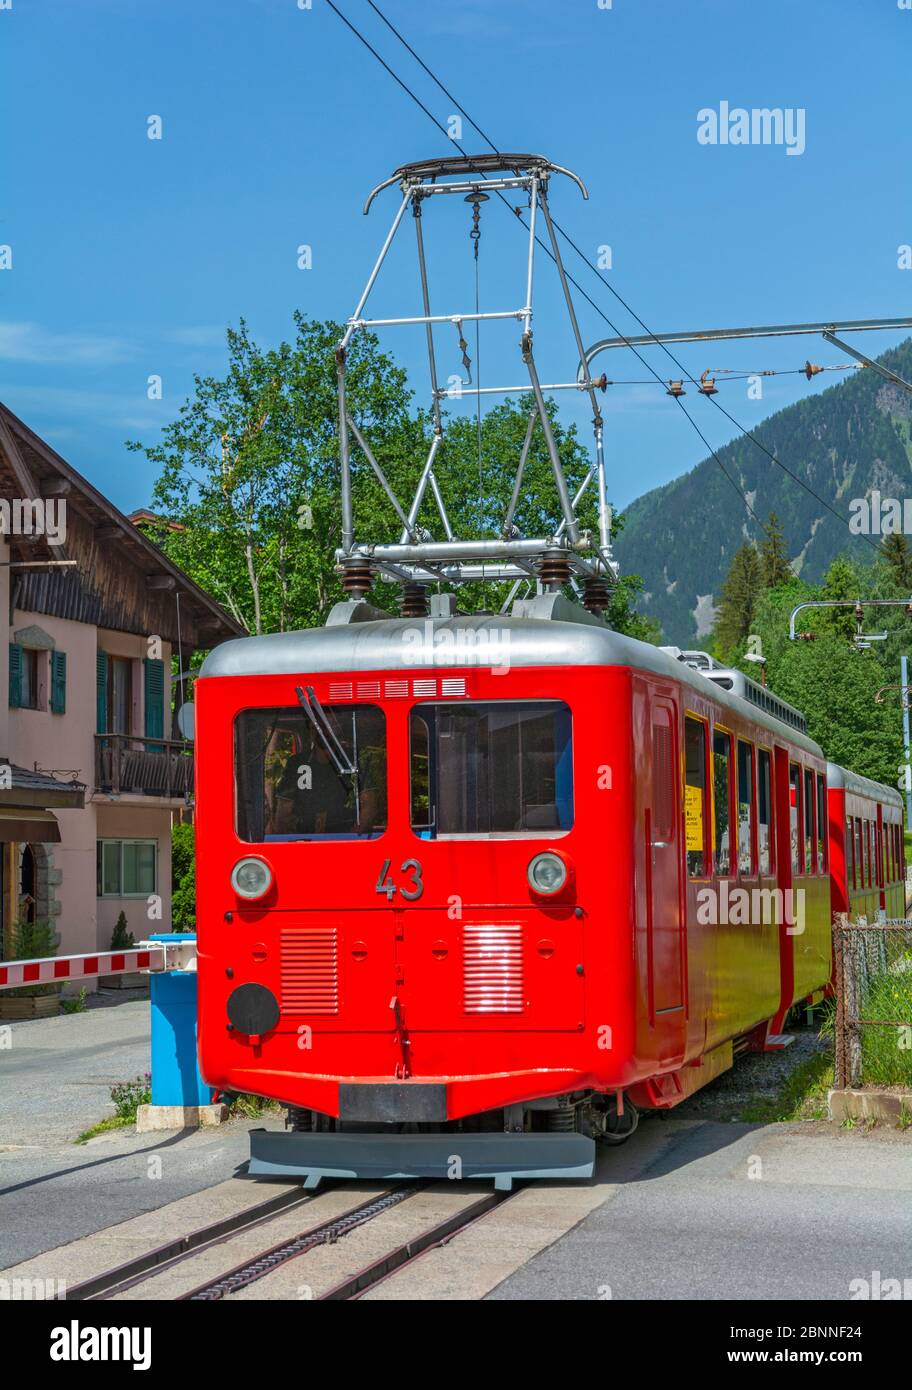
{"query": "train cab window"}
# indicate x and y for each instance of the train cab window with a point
(745, 807)
(809, 864)
(487, 770)
(765, 811)
(797, 844)
(298, 778)
(822, 827)
(722, 799)
(695, 795)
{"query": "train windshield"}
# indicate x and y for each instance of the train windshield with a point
(497, 769)
(289, 784)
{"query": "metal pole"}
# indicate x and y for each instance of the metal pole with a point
(426, 301)
(904, 676)
(381, 477)
(348, 522)
(346, 338)
(420, 490)
(517, 483)
(597, 422)
(533, 206)
(559, 479)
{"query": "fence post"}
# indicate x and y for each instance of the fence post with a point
(839, 934)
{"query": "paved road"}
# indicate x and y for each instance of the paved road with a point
(55, 1081)
(717, 1211)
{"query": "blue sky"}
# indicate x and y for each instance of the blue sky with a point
(130, 256)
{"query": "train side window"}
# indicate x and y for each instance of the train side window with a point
(722, 800)
(822, 836)
(850, 852)
(795, 818)
(765, 811)
(695, 795)
(866, 852)
(745, 807)
(859, 853)
(888, 852)
(809, 867)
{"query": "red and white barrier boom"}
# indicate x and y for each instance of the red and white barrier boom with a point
(148, 955)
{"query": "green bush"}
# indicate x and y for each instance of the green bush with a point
(121, 938)
(183, 878)
(31, 941)
(128, 1096)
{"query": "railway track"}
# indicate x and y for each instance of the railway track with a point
(427, 1224)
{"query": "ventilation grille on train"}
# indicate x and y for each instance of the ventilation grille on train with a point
(493, 970)
(310, 972)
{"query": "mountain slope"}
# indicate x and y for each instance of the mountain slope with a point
(849, 439)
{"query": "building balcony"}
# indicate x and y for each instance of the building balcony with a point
(127, 765)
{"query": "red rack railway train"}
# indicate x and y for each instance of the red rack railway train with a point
(473, 891)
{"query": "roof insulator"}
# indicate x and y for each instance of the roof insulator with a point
(810, 369)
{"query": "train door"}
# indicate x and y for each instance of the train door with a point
(880, 859)
(665, 916)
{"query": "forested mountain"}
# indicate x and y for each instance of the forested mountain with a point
(843, 442)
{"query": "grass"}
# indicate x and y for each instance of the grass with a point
(128, 1096)
(802, 1095)
(76, 1005)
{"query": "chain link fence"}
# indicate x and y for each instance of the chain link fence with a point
(873, 1019)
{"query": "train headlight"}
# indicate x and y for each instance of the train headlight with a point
(251, 878)
(547, 874)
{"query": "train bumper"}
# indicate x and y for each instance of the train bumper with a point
(500, 1157)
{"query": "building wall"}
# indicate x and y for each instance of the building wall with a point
(4, 646)
(65, 743)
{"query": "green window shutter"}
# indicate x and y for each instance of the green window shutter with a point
(101, 692)
(15, 675)
(58, 682)
(154, 697)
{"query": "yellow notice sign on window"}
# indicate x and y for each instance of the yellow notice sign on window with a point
(693, 814)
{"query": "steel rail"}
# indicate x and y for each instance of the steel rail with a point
(411, 1250)
(175, 1251)
(327, 1233)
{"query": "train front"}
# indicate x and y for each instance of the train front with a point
(393, 897)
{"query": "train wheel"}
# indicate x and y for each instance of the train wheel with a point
(618, 1128)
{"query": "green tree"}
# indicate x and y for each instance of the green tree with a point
(897, 555)
(183, 878)
(250, 468)
(774, 564)
(740, 591)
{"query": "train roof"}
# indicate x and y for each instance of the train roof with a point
(842, 778)
(391, 644)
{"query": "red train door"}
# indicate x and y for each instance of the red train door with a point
(663, 868)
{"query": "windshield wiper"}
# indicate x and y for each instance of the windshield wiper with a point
(324, 731)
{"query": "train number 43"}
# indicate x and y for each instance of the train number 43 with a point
(411, 890)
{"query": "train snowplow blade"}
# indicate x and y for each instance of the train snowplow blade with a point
(501, 1158)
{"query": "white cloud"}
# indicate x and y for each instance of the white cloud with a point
(29, 342)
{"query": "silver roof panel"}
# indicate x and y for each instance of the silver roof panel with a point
(842, 778)
(409, 644)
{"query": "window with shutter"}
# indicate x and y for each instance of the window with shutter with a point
(154, 697)
(101, 692)
(58, 682)
(15, 675)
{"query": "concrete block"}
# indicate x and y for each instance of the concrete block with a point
(869, 1105)
(154, 1117)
